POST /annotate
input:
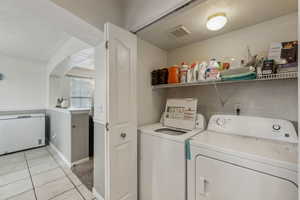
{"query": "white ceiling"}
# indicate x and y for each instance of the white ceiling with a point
(27, 35)
(240, 13)
(84, 59)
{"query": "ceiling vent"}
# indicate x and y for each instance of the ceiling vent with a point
(180, 31)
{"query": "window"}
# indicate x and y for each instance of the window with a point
(81, 92)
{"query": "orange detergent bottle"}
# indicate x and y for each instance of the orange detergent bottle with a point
(173, 74)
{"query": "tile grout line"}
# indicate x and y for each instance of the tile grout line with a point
(61, 194)
(16, 195)
(50, 181)
(30, 176)
(56, 179)
(28, 169)
(46, 171)
(58, 167)
(14, 182)
(17, 170)
(68, 177)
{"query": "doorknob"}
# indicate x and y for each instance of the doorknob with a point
(123, 135)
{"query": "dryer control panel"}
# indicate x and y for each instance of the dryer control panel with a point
(268, 128)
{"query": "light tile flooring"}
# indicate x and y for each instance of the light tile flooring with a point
(39, 174)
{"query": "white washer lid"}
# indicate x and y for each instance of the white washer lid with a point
(150, 129)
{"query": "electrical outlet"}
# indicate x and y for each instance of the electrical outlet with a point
(237, 109)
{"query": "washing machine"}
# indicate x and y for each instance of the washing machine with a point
(241, 157)
(163, 154)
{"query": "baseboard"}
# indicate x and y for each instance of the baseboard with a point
(80, 161)
(97, 195)
(68, 164)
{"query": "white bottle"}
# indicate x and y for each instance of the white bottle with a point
(202, 71)
(190, 74)
(183, 73)
(196, 72)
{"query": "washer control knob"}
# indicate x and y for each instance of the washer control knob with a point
(276, 127)
(220, 122)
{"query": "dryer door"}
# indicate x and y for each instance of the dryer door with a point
(218, 180)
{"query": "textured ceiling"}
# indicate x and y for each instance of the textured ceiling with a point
(26, 35)
(240, 13)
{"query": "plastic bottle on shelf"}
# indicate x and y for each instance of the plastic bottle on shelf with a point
(190, 73)
(202, 71)
(173, 74)
(183, 72)
(193, 72)
(196, 71)
(212, 72)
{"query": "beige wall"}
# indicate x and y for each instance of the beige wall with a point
(95, 12)
(150, 103)
(24, 84)
(234, 44)
(139, 13)
(276, 99)
(298, 97)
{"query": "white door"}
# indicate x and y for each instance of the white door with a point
(218, 180)
(121, 115)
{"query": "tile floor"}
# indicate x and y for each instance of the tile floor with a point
(39, 174)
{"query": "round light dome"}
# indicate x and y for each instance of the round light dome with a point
(216, 21)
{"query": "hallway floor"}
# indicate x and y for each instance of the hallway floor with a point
(39, 174)
(85, 173)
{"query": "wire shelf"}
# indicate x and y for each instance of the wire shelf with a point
(260, 77)
(286, 75)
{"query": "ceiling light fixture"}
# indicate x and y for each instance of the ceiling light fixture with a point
(216, 22)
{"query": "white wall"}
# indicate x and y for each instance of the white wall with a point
(70, 47)
(95, 12)
(139, 13)
(234, 44)
(24, 84)
(276, 99)
(60, 132)
(60, 86)
(298, 24)
(150, 103)
(58, 65)
(61, 19)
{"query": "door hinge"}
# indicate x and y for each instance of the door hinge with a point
(106, 44)
(107, 126)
